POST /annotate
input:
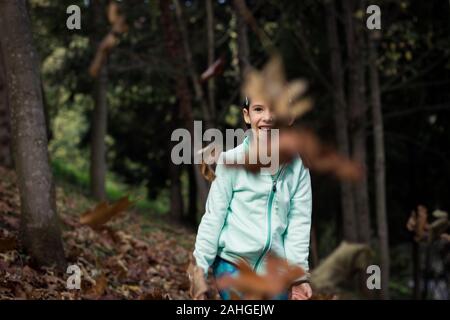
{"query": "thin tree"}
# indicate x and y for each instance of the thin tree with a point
(40, 233)
(243, 49)
(211, 47)
(195, 79)
(358, 109)
(340, 118)
(175, 54)
(380, 168)
(5, 128)
(100, 113)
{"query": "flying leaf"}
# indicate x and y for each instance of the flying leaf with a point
(278, 278)
(418, 223)
(286, 99)
(315, 155)
(207, 172)
(103, 212)
(213, 70)
(118, 26)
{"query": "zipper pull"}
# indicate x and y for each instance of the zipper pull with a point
(274, 186)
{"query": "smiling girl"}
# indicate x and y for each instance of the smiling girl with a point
(247, 215)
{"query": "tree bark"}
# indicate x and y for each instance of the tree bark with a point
(314, 248)
(211, 57)
(243, 50)
(5, 123)
(380, 170)
(99, 119)
(172, 40)
(199, 94)
(340, 117)
(242, 43)
(176, 196)
(357, 117)
(40, 233)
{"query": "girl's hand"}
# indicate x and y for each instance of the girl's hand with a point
(202, 297)
(301, 292)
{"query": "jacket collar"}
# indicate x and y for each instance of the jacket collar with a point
(246, 144)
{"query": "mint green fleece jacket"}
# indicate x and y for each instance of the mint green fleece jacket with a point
(247, 215)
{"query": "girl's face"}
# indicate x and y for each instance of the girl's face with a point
(259, 117)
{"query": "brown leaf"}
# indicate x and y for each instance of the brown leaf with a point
(197, 280)
(116, 18)
(103, 212)
(99, 288)
(270, 87)
(155, 294)
(418, 223)
(118, 26)
(437, 227)
(278, 278)
(213, 70)
(8, 244)
(207, 172)
(315, 155)
(323, 296)
(108, 42)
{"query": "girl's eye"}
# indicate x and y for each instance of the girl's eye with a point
(257, 109)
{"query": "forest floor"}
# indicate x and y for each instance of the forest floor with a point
(137, 256)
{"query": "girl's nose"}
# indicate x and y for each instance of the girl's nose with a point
(268, 116)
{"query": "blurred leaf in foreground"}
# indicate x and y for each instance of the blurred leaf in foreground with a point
(104, 212)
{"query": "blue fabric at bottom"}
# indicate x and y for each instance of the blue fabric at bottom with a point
(222, 267)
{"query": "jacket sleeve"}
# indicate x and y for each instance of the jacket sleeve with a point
(212, 222)
(297, 235)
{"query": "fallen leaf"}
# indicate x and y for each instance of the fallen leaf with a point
(8, 244)
(99, 287)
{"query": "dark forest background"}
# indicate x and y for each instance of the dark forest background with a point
(380, 96)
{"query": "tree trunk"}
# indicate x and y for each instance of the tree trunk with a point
(176, 196)
(416, 269)
(199, 94)
(242, 43)
(340, 117)
(191, 218)
(314, 248)
(172, 40)
(5, 127)
(380, 170)
(211, 58)
(243, 50)
(98, 146)
(99, 119)
(40, 233)
(357, 117)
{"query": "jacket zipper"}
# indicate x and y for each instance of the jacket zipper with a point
(273, 190)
